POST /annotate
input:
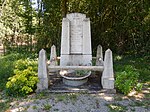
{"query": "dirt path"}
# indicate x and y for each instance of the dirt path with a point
(82, 102)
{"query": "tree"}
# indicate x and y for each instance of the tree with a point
(48, 31)
(17, 24)
(122, 25)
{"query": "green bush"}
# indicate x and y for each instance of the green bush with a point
(7, 65)
(134, 60)
(6, 68)
(25, 79)
(127, 80)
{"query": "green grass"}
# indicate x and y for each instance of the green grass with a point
(47, 106)
(144, 103)
(34, 107)
(60, 97)
(73, 96)
(117, 108)
(4, 102)
(4, 106)
(66, 97)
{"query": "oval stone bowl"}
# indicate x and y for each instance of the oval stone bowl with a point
(74, 81)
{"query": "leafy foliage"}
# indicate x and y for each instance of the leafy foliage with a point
(127, 80)
(120, 25)
(7, 67)
(135, 61)
(25, 79)
(16, 25)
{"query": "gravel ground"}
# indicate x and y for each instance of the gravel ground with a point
(82, 102)
(78, 102)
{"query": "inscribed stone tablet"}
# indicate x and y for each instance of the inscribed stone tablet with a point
(76, 35)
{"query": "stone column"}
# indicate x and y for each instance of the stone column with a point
(99, 56)
(53, 56)
(65, 41)
(87, 37)
(87, 50)
(108, 73)
(42, 71)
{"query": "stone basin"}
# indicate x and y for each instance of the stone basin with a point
(74, 81)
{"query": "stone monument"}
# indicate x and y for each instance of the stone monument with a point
(76, 40)
(76, 54)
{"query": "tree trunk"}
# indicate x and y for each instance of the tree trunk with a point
(64, 8)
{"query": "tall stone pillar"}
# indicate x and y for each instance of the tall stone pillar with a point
(53, 56)
(65, 41)
(42, 71)
(108, 73)
(99, 56)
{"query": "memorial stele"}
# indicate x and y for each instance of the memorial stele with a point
(76, 40)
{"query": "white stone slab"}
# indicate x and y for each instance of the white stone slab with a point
(76, 36)
(76, 60)
(87, 37)
(65, 36)
(76, 40)
(72, 16)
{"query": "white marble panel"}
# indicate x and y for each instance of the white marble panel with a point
(69, 60)
(76, 35)
(65, 36)
(87, 37)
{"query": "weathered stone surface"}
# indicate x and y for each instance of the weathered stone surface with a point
(108, 83)
(76, 40)
(53, 56)
(69, 60)
(108, 73)
(76, 51)
(99, 56)
(76, 35)
(87, 50)
(42, 71)
(65, 36)
(72, 16)
(74, 82)
(90, 68)
(42, 84)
